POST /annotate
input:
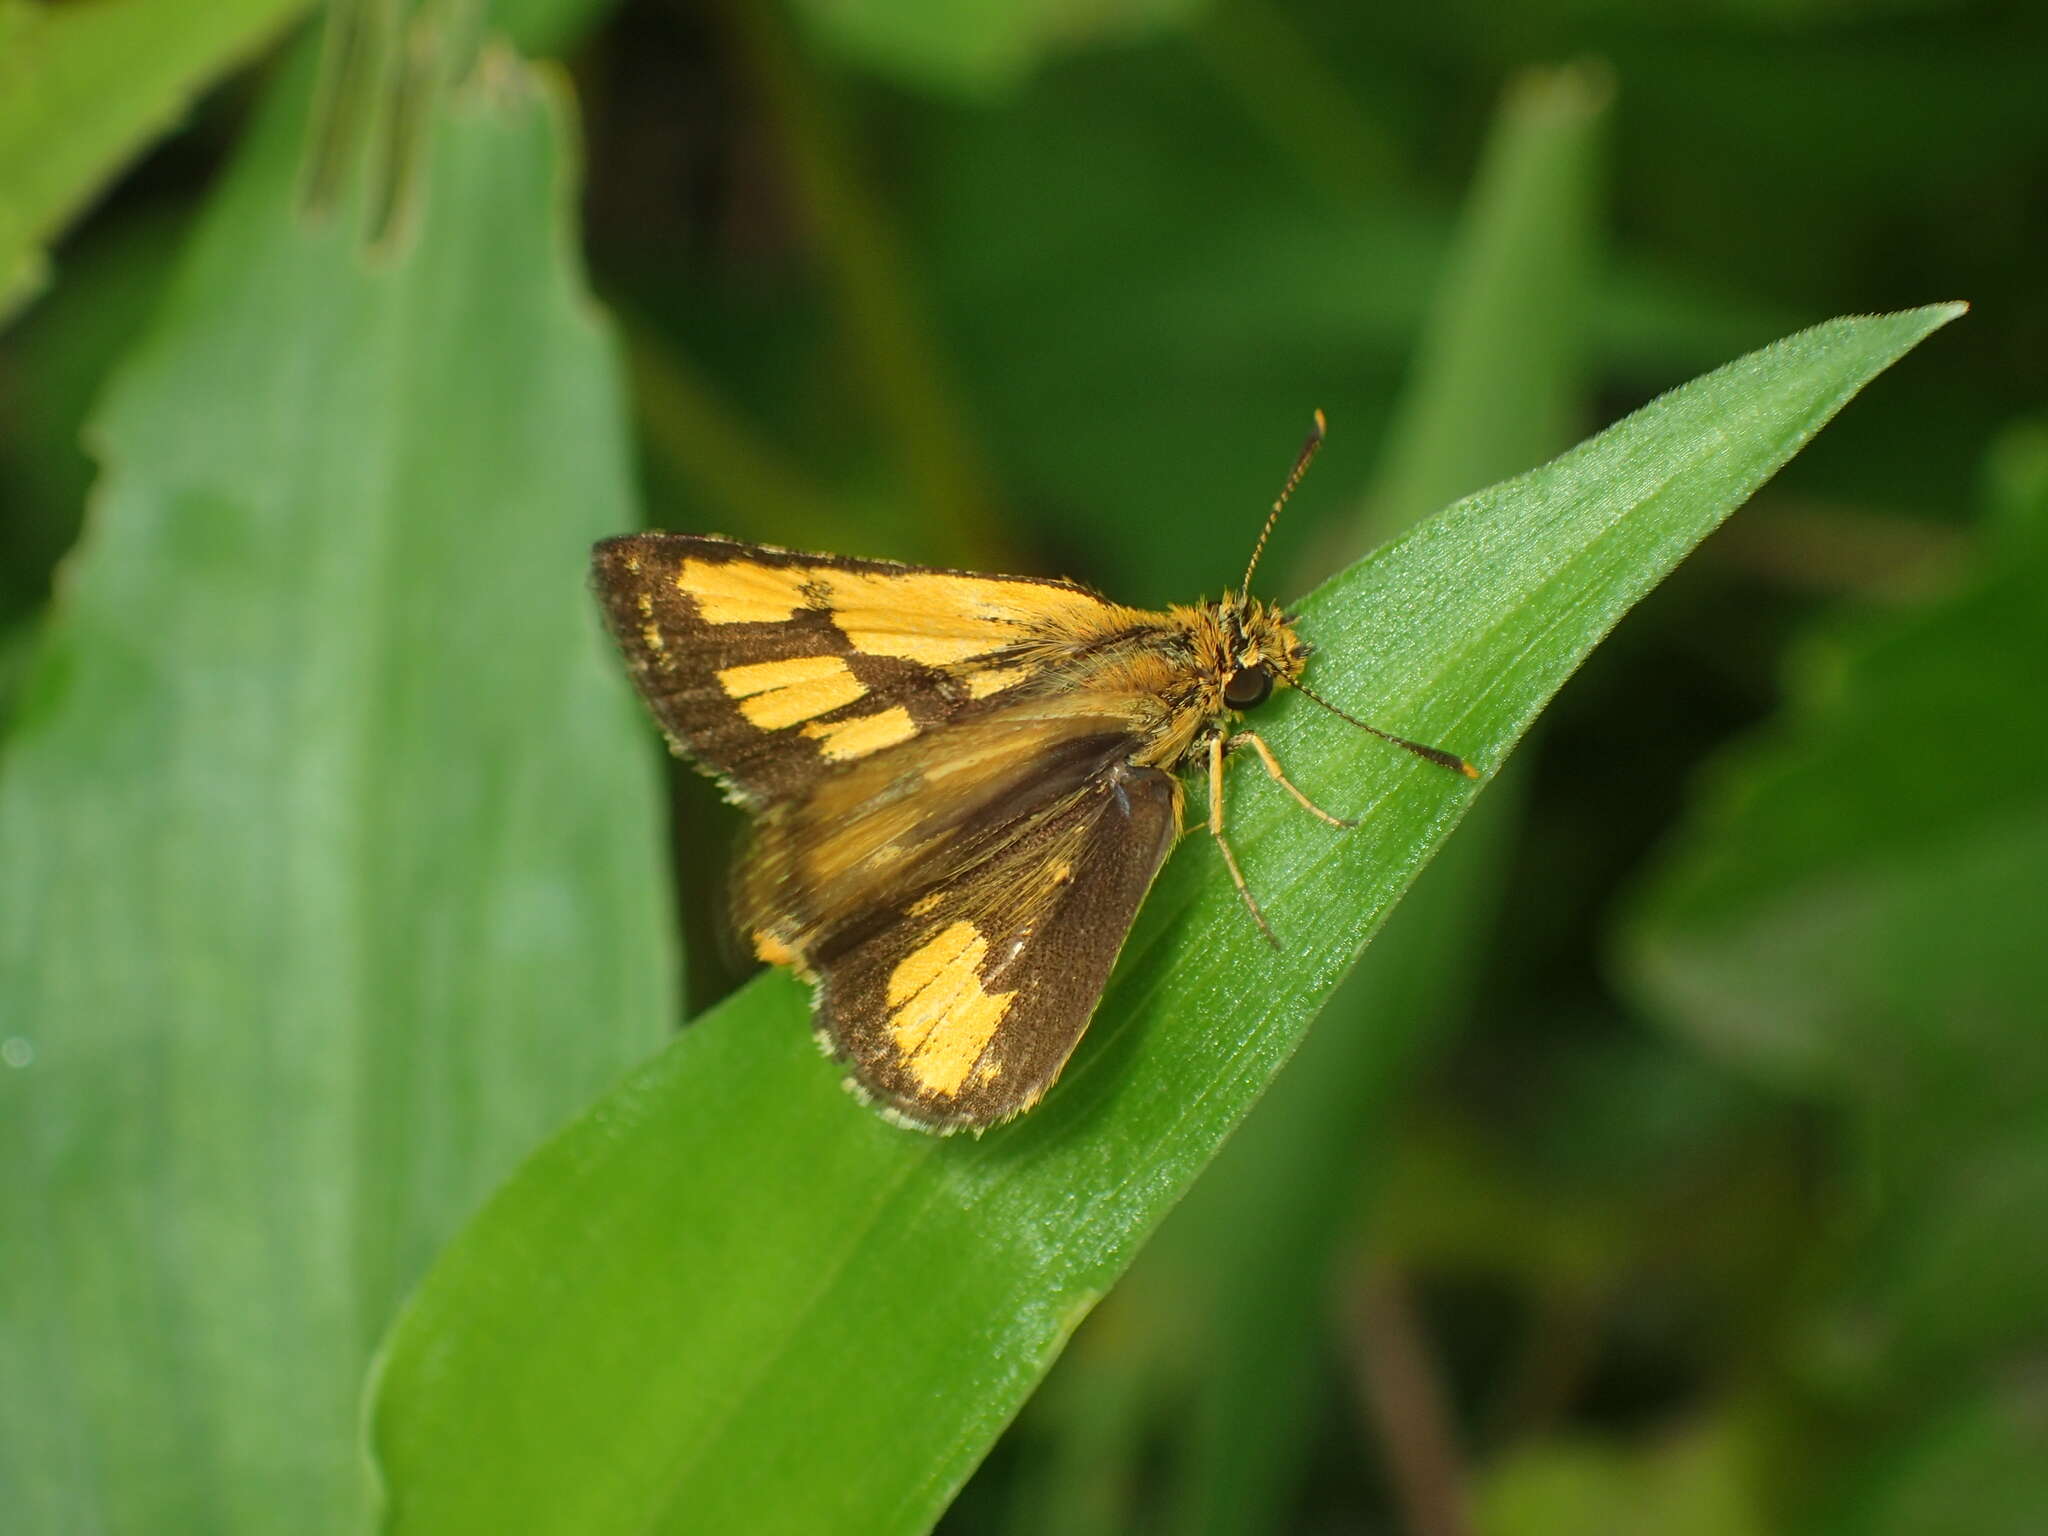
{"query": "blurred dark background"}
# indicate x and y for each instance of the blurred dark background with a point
(1053, 287)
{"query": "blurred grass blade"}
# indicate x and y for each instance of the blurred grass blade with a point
(329, 854)
(1498, 382)
(1514, 307)
(355, 57)
(729, 1299)
(84, 87)
(1315, 117)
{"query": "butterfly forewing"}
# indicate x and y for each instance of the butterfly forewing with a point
(774, 668)
(950, 836)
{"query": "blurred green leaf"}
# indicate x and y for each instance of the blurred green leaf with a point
(1499, 380)
(549, 27)
(901, 373)
(1975, 1467)
(1329, 127)
(1851, 909)
(976, 45)
(1696, 1482)
(727, 1298)
(1852, 912)
(329, 863)
(84, 87)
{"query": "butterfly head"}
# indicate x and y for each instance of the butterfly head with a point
(1257, 650)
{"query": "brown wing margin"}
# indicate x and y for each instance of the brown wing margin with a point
(961, 1013)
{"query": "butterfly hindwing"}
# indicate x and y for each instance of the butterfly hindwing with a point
(774, 668)
(879, 835)
(960, 1007)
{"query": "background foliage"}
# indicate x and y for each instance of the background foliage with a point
(1673, 1159)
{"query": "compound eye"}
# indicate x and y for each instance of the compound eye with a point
(1248, 687)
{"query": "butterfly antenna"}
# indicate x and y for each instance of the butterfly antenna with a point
(1436, 755)
(1308, 451)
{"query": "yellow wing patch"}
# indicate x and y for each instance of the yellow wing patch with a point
(742, 591)
(908, 645)
(938, 618)
(993, 680)
(845, 740)
(924, 616)
(773, 694)
(940, 1016)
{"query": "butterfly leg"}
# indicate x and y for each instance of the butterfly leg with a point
(1216, 831)
(1273, 767)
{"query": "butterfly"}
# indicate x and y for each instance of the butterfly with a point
(961, 786)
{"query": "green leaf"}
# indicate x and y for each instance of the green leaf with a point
(84, 87)
(329, 861)
(730, 1299)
